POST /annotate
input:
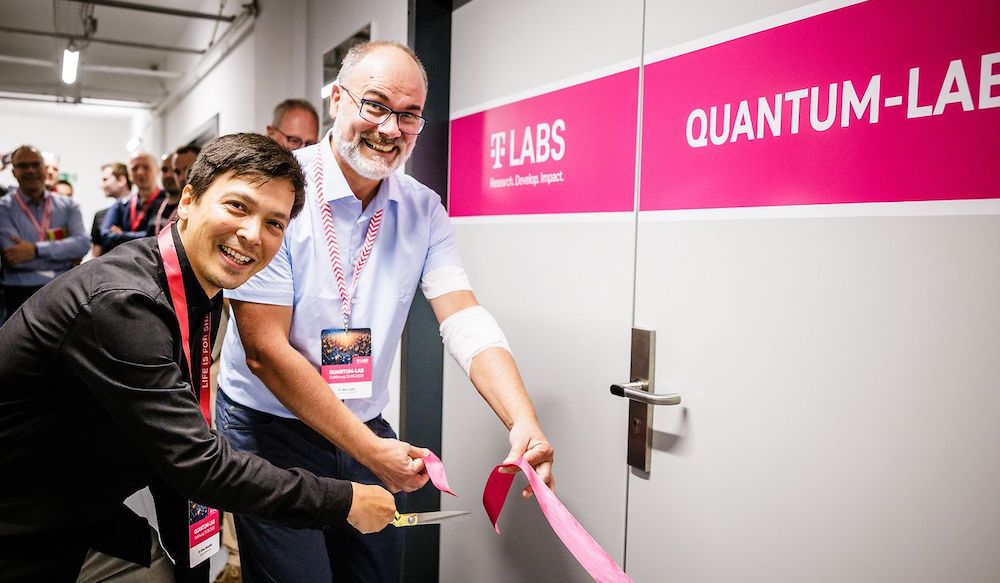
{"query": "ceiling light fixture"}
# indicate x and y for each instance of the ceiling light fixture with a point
(71, 62)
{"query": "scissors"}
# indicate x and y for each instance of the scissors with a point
(423, 518)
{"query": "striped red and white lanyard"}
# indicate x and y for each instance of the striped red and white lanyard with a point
(178, 297)
(42, 228)
(326, 215)
(134, 220)
(158, 221)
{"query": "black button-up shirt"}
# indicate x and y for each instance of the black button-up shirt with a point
(95, 399)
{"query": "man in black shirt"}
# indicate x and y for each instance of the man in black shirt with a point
(96, 397)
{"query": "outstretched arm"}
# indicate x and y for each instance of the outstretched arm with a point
(494, 373)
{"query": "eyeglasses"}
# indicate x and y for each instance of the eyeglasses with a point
(294, 141)
(26, 165)
(377, 113)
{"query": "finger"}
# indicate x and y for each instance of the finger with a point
(417, 465)
(516, 451)
(539, 453)
(418, 452)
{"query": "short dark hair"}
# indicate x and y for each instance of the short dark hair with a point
(188, 149)
(26, 148)
(119, 170)
(247, 155)
(288, 105)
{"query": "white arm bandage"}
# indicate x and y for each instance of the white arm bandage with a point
(468, 332)
(443, 280)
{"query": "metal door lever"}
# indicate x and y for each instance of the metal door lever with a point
(636, 391)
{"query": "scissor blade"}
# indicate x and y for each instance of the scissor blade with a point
(423, 518)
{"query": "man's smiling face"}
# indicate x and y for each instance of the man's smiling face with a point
(234, 229)
(390, 77)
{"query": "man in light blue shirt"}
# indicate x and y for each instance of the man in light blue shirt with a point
(41, 233)
(305, 368)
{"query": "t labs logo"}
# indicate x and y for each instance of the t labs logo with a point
(535, 145)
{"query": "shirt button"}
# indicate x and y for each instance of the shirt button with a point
(326, 527)
(354, 300)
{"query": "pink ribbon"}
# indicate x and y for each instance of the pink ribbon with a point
(435, 469)
(590, 555)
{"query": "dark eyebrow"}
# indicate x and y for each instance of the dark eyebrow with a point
(382, 98)
(249, 200)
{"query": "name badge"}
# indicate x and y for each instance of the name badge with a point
(204, 533)
(347, 361)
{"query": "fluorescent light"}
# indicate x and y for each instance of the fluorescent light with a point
(71, 59)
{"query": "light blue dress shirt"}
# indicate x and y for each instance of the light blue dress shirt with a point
(54, 257)
(415, 238)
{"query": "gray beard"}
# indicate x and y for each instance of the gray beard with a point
(370, 169)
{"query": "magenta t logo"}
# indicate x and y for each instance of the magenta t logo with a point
(497, 148)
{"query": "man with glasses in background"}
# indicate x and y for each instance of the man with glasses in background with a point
(295, 124)
(339, 288)
(41, 233)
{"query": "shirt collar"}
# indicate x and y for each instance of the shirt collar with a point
(27, 199)
(336, 186)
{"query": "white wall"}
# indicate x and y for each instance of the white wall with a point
(83, 136)
(265, 67)
(331, 23)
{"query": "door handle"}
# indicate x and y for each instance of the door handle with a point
(637, 391)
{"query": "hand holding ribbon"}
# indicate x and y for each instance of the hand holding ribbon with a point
(527, 441)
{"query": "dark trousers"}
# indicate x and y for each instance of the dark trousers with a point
(15, 295)
(273, 553)
(45, 557)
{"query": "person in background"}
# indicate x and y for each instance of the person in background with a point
(41, 233)
(167, 175)
(64, 187)
(294, 124)
(51, 170)
(178, 168)
(182, 160)
(130, 218)
(96, 392)
(117, 186)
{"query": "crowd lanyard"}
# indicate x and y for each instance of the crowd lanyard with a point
(334, 249)
(159, 217)
(135, 220)
(41, 228)
(178, 297)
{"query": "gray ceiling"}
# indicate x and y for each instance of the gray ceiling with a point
(132, 55)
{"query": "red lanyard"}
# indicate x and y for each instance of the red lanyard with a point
(178, 297)
(41, 228)
(331, 242)
(135, 220)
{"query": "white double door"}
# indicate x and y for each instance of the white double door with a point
(839, 371)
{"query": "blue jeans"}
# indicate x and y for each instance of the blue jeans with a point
(270, 552)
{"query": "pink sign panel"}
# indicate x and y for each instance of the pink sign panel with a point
(568, 151)
(887, 100)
